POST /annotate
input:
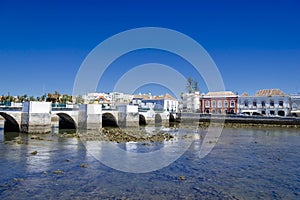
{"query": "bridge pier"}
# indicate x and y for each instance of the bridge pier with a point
(90, 117)
(55, 124)
(36, 117)
(128, 116)
(2, 121)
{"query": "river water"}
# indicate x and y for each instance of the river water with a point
(246, 163)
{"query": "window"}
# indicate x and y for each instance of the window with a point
(271, 102)
(280, 103)
(246, 103)
(294, 106)
(232, 103)
(225, 103)
(213, 104)
(207, 104)
(254, 103)
(219, 104)
(263, 103)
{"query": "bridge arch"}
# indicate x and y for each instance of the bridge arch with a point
(66, 121)
(10, 124)
(142, 120)
(109, 120)
(157, 119)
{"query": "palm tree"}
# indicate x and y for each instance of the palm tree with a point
(192, 85)
(189, 86)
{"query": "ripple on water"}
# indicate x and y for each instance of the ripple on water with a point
(246, 163)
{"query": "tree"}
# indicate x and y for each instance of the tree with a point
(79, 100)
(189, 86)
(43, 98)
(192, 85)
(31, 98)
(196, 87)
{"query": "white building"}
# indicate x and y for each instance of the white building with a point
(191, 102)
(94, 97)
(269, 102)
(160, 103)
(295, 101)
(118, 97)
(138, 99)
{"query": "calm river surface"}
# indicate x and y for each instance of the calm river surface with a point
(246, 163)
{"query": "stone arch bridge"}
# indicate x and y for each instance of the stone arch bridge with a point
(40, 117)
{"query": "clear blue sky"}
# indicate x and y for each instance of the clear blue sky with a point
(255, 44)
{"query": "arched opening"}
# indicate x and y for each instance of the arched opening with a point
(10, 124)
(66, 121)
(207, 111)
(157, 119)
(108, 120)
(142, 120)
(281, 113)
(256, 114)
(246, 113)
(171, 118)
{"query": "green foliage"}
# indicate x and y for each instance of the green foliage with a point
(192, 85)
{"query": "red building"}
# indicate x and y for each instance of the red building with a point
(219, 103)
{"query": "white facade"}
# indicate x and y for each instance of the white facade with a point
(295, 104)
(161, 103)
(92, 97)
(118, 97)
(265, 105)
(191, 102)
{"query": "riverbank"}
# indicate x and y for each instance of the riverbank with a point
(239, 120)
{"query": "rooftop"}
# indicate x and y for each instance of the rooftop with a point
(221, 94)
(270, 92)
(166, 96)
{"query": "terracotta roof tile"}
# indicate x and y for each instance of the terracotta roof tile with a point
(221, 93)
(270, 92)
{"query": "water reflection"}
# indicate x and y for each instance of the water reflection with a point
(245, 164)
(7, 136)
(1, 134)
